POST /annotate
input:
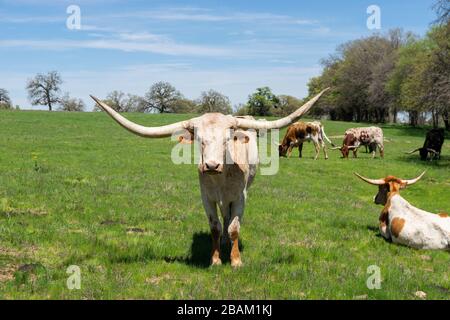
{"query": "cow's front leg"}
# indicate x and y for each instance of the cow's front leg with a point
(237, 208)
(381, 147)
(324, 147)
(384, 231)
(290, 150)
(226, 214)
(317, 148)
(300, 150)
(216, 229)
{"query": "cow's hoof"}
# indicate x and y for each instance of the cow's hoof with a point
(236, 263)
(216, 262)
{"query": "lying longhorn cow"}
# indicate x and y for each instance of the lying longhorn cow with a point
(357, 137)
(432, 146)
(402, 223)
(300, 132)
(222, 184)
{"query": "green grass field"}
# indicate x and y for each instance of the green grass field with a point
(76, 189)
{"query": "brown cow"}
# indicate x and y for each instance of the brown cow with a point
(300, 132)
(356, 137)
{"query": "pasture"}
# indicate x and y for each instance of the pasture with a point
(76, 189)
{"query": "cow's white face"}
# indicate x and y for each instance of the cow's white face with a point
(214, 134)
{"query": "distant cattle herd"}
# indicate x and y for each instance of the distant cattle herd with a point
(370, 137)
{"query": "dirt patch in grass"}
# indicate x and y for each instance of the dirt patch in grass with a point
(13, 255)
(155, 280)
(135, 230)
(9, 252)
(16, 253)
(7, 272)
(7, 209)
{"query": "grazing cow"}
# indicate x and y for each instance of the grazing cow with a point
(227, 164)
(432, 146)
(356, 137)
(402, 223)
(300, 132)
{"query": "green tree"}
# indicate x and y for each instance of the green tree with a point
(405, 81)
(438, 72)
(357, 73)
(184, 105)
(262, 102)
(286, 105)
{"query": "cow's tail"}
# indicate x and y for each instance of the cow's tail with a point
(322, 131)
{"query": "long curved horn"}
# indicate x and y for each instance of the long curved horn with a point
(336, 148)
(281, 123)
(376, 182)
(147, 132)
(411, 152)
(432, 150)
(412, 181)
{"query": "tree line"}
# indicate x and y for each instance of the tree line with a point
(162, 97)
(375, 78)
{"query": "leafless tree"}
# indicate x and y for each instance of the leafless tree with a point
(122, 102)
(5, 101)
(161, 97)
(213, 101)
(44, 89)
(442, 9)
(71, 104)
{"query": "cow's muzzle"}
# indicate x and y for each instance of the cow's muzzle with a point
(212, 168)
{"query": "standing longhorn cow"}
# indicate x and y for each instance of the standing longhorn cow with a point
(223, 183)
(300, 132)
(432, 146)
(402, 223)
(357, 137)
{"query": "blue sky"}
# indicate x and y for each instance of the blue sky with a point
(230, 46)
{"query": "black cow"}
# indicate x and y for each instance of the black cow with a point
(433, 145)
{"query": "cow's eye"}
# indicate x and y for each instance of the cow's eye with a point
(235, 138)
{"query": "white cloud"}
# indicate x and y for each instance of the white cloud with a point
(171, 14)
(142, 36)
(31, 19)
(167, 47)
(306, 22)
(202, 15)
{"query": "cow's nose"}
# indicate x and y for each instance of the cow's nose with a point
(212, 166)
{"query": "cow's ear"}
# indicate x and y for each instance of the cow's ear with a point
(186, 138)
